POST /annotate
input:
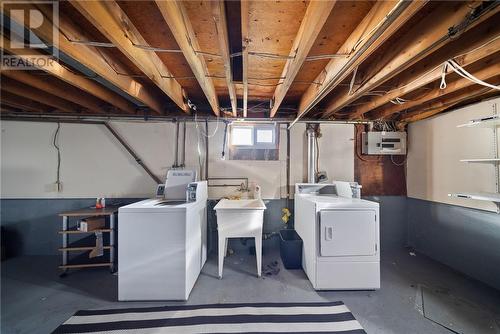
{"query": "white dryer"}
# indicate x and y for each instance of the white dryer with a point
(341, 243)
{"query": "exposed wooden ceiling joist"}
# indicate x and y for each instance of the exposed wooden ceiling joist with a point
(219, 12)
(108, 17)
(432, 108)
(488, 43)
(87, 85)
(432, 32)
(58, 89)
(383, 20)
(93, 60)
(24, 103)
(316, 15)
(20, 89)
(484, 74)
(177, 19)
(245, 22)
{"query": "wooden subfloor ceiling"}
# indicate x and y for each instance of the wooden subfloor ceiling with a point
(342, 60)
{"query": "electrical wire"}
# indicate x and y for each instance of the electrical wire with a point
(56, 146)
(463, 73)
(203, 132)
(398, 164)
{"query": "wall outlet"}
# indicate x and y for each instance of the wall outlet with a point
(53, 187)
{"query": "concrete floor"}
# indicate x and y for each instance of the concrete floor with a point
(35, 300)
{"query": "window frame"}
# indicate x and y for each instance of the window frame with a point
(255, 128)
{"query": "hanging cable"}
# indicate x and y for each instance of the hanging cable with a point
(463, 73)
(203, 132)
(351, 84)
(442, 85)
(56, 146)
(399, 100)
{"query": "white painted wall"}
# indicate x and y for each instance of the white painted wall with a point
(95, 164)
(436, 146)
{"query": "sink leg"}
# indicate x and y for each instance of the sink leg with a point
(225, 247)
(222, 244)
(258, 253)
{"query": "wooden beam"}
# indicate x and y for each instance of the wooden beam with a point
(383, 20)
(113, 23)
(31, 93)
(435, 107)
(93, 60)
(315, 17)
(23, 103)
(59, 89)
(219, 12)
(175, 15)
(76, 80)
(245, 28)
(487, 43)
(430, 34)
(484, 74)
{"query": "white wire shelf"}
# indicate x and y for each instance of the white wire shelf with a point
(487, 122)
(485, 161)
(483, 196)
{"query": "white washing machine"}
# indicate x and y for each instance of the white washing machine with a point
(341, 236)
(162, 243)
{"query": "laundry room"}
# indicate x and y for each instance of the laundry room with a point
(250, 166)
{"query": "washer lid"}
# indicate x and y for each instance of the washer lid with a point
(328, 201)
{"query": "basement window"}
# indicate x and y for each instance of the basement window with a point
(253, 141)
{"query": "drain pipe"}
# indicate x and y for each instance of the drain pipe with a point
(176, 152)
(311, 153)
(206, 149)
(183, 156)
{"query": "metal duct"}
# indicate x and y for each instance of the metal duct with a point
(311, 153)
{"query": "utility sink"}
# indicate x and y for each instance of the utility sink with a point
(240, 204)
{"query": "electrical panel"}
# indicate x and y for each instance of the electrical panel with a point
(384, 143)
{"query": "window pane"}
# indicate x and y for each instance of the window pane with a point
(265, 136)
(242, 136)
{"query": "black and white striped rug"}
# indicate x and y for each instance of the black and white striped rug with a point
(332, 317)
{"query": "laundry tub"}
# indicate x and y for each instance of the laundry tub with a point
(240, 219)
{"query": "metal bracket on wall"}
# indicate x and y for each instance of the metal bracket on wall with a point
(132, 153)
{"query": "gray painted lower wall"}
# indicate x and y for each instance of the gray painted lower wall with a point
(393, 227)
(30, 225)
(464, 239)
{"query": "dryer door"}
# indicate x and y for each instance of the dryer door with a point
(348, 232)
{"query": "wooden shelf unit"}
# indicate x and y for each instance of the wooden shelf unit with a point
(86, 244)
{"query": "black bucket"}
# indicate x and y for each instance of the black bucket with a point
(291, 249)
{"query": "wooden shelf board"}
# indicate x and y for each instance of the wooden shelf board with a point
(90, 212)
(75, 231)
(87, 265)
(76, 249)
(83, 261)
